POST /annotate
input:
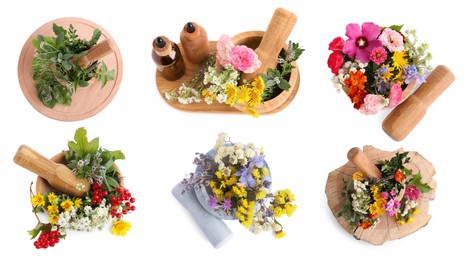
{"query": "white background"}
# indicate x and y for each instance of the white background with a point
(303, 143)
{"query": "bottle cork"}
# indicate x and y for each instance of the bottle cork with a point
(194, 42)
(168, 58)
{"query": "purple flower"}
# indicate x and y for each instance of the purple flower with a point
(412, 193)
(245, 178)
(212, 202)
(226, 204)
(412, 74)
(361, 41)
(391, 206)
(384, 195)
(258, 161)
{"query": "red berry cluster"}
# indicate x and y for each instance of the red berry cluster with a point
(98, 194)
(123, 198)
(47, 239)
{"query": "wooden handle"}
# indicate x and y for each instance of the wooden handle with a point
(96, 52)
(277, 33)
(363, 164)
(58, 175)
(403, 119)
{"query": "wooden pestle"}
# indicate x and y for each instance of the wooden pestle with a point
(277, 33)
(96, 52)
(403, 119)
(363, 164)
(58, 175)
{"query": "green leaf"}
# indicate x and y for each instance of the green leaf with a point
(417, 182)
(96, 36)
(58, 29)
(118, 155)
(396, 27)
(36, 43)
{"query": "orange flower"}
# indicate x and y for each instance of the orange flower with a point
(356, 83)
(358, 176)
(365, 225)
(399, 176)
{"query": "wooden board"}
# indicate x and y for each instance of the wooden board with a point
(164, 85)
(387, 229)
(86, 102)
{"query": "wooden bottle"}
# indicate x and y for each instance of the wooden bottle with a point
(168, 58)
(194, 42)
(58, 175)
(275, 37)
(403, 119)
(363, 164)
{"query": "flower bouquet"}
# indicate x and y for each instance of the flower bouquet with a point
(221, 78)
(379, 196)
(107, 199)
(378, 67)
(233, 181)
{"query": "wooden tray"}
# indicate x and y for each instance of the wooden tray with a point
(86, 102)
(164, 85)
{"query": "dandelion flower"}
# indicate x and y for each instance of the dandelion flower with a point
(38, 200)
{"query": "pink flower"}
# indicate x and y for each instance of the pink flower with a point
(391, 206)
(337, 44)
(372, 104)
(384, 195)
(412, 193)
(244, 59)
(393, 40)
(335, 62)
(224, 46)
(378, 55)
(361, 41)
(395, 96)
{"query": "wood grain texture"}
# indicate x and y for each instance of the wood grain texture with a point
(44, 187)
(86, 102)
(405, 117)
(387, 229)
(250, 39)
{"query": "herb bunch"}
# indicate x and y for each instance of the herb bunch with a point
(56, 70)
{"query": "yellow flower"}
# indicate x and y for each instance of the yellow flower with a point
(120, 227)
(243, 94)
(78, 203)
(256, 97)
(258, 84)
(54, 219)
(399, 60)
(357, 176)
(279, 234)
(38, 200)
(265, 172)
(66, 205)
(261, 194)
(416, 211)
(289, 209)
(52, 209)
(388, 74)
(400, 222)
(410, 220)
(231, 92)
(251, 111)
(51, 197)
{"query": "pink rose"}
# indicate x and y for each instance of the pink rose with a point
(395, 96)
(412, 193)
(224, 46)
(372, 104)
(335, 62)
(393, 40)
(244, 59)
(337, 44)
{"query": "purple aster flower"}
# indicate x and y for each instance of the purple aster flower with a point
(226, 204)
(412, 74)
(212, 202)
(361, 41)
(258, 161)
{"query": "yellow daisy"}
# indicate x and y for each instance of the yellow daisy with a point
(120, 227)
(399, 60)
(231, 92)
(38, 200)
(251, 111)
(243, 94)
